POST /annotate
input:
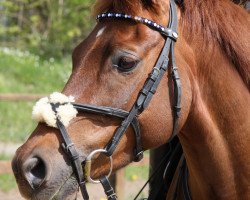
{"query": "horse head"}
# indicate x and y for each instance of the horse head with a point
(110, 68)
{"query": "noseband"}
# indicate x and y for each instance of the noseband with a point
(166, 59)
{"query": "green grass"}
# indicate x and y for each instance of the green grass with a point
(23, 72)
(5, 157)
(137, 173)
(16, 122)
(133, 173)
(7, 182)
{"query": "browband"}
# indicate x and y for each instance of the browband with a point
(167, 32)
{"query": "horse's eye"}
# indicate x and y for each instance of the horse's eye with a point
(126, 64)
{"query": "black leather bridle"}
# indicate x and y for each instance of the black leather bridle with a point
(166, 59)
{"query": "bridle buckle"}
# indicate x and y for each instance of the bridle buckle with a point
(88, 163)
(66, 148)
(138, 156)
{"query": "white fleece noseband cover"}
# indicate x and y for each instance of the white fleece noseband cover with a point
(43, 112)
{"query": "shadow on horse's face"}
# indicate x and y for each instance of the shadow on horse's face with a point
(109, 69)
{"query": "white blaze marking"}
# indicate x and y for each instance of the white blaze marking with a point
(100, 32)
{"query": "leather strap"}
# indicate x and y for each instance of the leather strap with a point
(118, 113)
(182, 182)
(177, 93)
(145, 95)
(73, 155)
(185, 188)
(163, 174)
(108, 189)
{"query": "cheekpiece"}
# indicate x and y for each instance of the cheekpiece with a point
(151, 24)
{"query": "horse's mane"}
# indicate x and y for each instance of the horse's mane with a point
(224, 23)
(218, 21)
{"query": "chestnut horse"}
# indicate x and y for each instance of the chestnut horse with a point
(110, 67)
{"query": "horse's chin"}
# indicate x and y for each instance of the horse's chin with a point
(68, 191)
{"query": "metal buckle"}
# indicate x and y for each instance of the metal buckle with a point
(158, 70)
(139, 156)
(112, 196)
(66, 148)
(88, 162)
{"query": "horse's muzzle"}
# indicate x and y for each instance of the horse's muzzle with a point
(30, 173)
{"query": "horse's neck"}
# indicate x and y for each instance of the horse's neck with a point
(216, 136)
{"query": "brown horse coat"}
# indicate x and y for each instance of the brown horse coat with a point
(212, 54)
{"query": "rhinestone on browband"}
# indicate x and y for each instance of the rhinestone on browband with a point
(164, 31)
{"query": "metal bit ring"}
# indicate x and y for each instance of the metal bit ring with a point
(88, 163)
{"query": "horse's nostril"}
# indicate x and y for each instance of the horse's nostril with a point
(35, 172)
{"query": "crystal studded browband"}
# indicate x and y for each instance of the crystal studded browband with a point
(164, 31)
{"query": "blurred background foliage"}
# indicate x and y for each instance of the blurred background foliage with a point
(48, 28)
(36, 42)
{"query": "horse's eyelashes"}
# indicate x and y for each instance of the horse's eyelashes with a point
(126, 64)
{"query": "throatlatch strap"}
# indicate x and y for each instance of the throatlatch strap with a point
(109, 191)
(177, 93)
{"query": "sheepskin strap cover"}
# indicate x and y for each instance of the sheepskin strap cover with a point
(65, 111)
